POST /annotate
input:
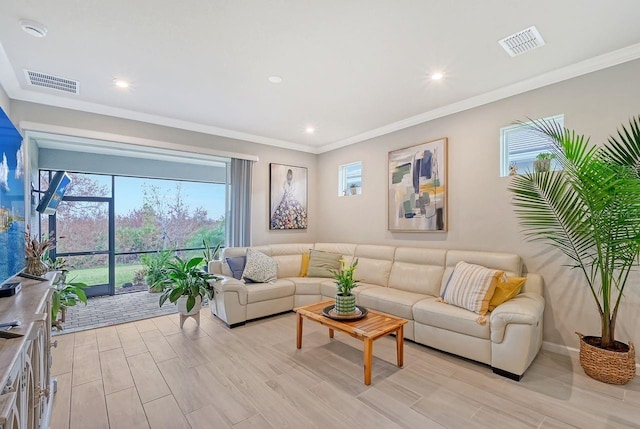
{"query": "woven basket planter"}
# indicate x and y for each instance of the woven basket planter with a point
(606, 365)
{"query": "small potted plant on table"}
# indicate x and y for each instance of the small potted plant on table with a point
(345, 300)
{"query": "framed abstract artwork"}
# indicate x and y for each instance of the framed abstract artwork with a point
(417, 199)
(287, 197)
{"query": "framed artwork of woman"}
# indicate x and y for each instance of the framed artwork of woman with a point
(288, 197)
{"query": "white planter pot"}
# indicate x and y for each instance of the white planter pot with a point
(182, 305)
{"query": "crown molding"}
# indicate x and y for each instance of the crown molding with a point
(590, 65)
(56, 101)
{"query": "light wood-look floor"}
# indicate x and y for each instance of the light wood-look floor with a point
(149, 374)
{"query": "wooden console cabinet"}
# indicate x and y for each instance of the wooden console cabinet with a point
(26, 389)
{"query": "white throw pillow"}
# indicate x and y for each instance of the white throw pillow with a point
(471, 286)
(260, 268)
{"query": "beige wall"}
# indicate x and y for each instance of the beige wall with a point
(480, 212)
(4, 101)
(23, 111)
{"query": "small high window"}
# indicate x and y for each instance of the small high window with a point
(520, 146)
(350, 179)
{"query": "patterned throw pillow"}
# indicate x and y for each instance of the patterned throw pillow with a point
(505, 290)
(260, 268)
(471, 286)
(321, 262)
(236, 265)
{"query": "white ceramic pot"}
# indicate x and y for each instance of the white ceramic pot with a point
(182, 305)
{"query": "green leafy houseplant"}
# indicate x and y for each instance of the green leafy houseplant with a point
(344, 277)
(155, 266)
(184, 278)
(209, 254)
(64, 296)
(590, 210)
(345, 301)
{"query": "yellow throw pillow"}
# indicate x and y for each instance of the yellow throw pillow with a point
(505, 290)
(471, 286)
(304, 267)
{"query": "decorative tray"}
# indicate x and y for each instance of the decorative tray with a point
(331, 314)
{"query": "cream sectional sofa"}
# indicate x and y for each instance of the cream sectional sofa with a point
(405, 282)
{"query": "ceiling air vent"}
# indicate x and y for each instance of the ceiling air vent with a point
(53, 82)
(523, 41)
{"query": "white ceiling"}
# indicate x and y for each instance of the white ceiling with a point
(353, 69)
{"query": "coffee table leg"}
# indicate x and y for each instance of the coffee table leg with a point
(400, 345)
(299, 332)
(368, 360)
(330, 333)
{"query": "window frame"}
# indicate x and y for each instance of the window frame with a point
(344, 180)
(505, 160)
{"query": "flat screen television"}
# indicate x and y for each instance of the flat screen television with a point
(52, 197)
(12, 201)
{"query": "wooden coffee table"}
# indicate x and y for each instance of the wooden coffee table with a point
(373, 326)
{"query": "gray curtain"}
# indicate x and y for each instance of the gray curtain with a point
(240, 203)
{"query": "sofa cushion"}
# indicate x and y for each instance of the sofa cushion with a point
(471, 286)
(307, 285)
(288, 265)
(424, 279)
(281, 288)
(374, 263)
(236, 265)
(392, 301)
(260, 267)
(418, 270)
(321, 262)
(445, 316)
(505, 290)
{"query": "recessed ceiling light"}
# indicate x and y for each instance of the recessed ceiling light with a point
(437, 76)
(310, 130)
(121, 83)
(275, 79)
(33, 28)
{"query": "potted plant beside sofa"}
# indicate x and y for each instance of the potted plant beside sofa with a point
(345, 300)
(590, 210)
(187, 285)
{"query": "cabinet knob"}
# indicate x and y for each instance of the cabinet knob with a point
(54, 344)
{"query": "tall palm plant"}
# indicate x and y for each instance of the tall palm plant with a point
(590, 210)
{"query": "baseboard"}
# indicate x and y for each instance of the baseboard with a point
(569, 351)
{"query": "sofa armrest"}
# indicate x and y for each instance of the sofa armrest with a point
(215, 267)
(229, 284)
(524, 309)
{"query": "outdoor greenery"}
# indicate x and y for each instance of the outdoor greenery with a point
(155, 269)
(99, 275)
(590, 210)
(165, 221)
(344, 277)
(185, 278)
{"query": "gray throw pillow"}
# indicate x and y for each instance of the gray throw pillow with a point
(236, 265)
(321, 262)
(260, 268)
